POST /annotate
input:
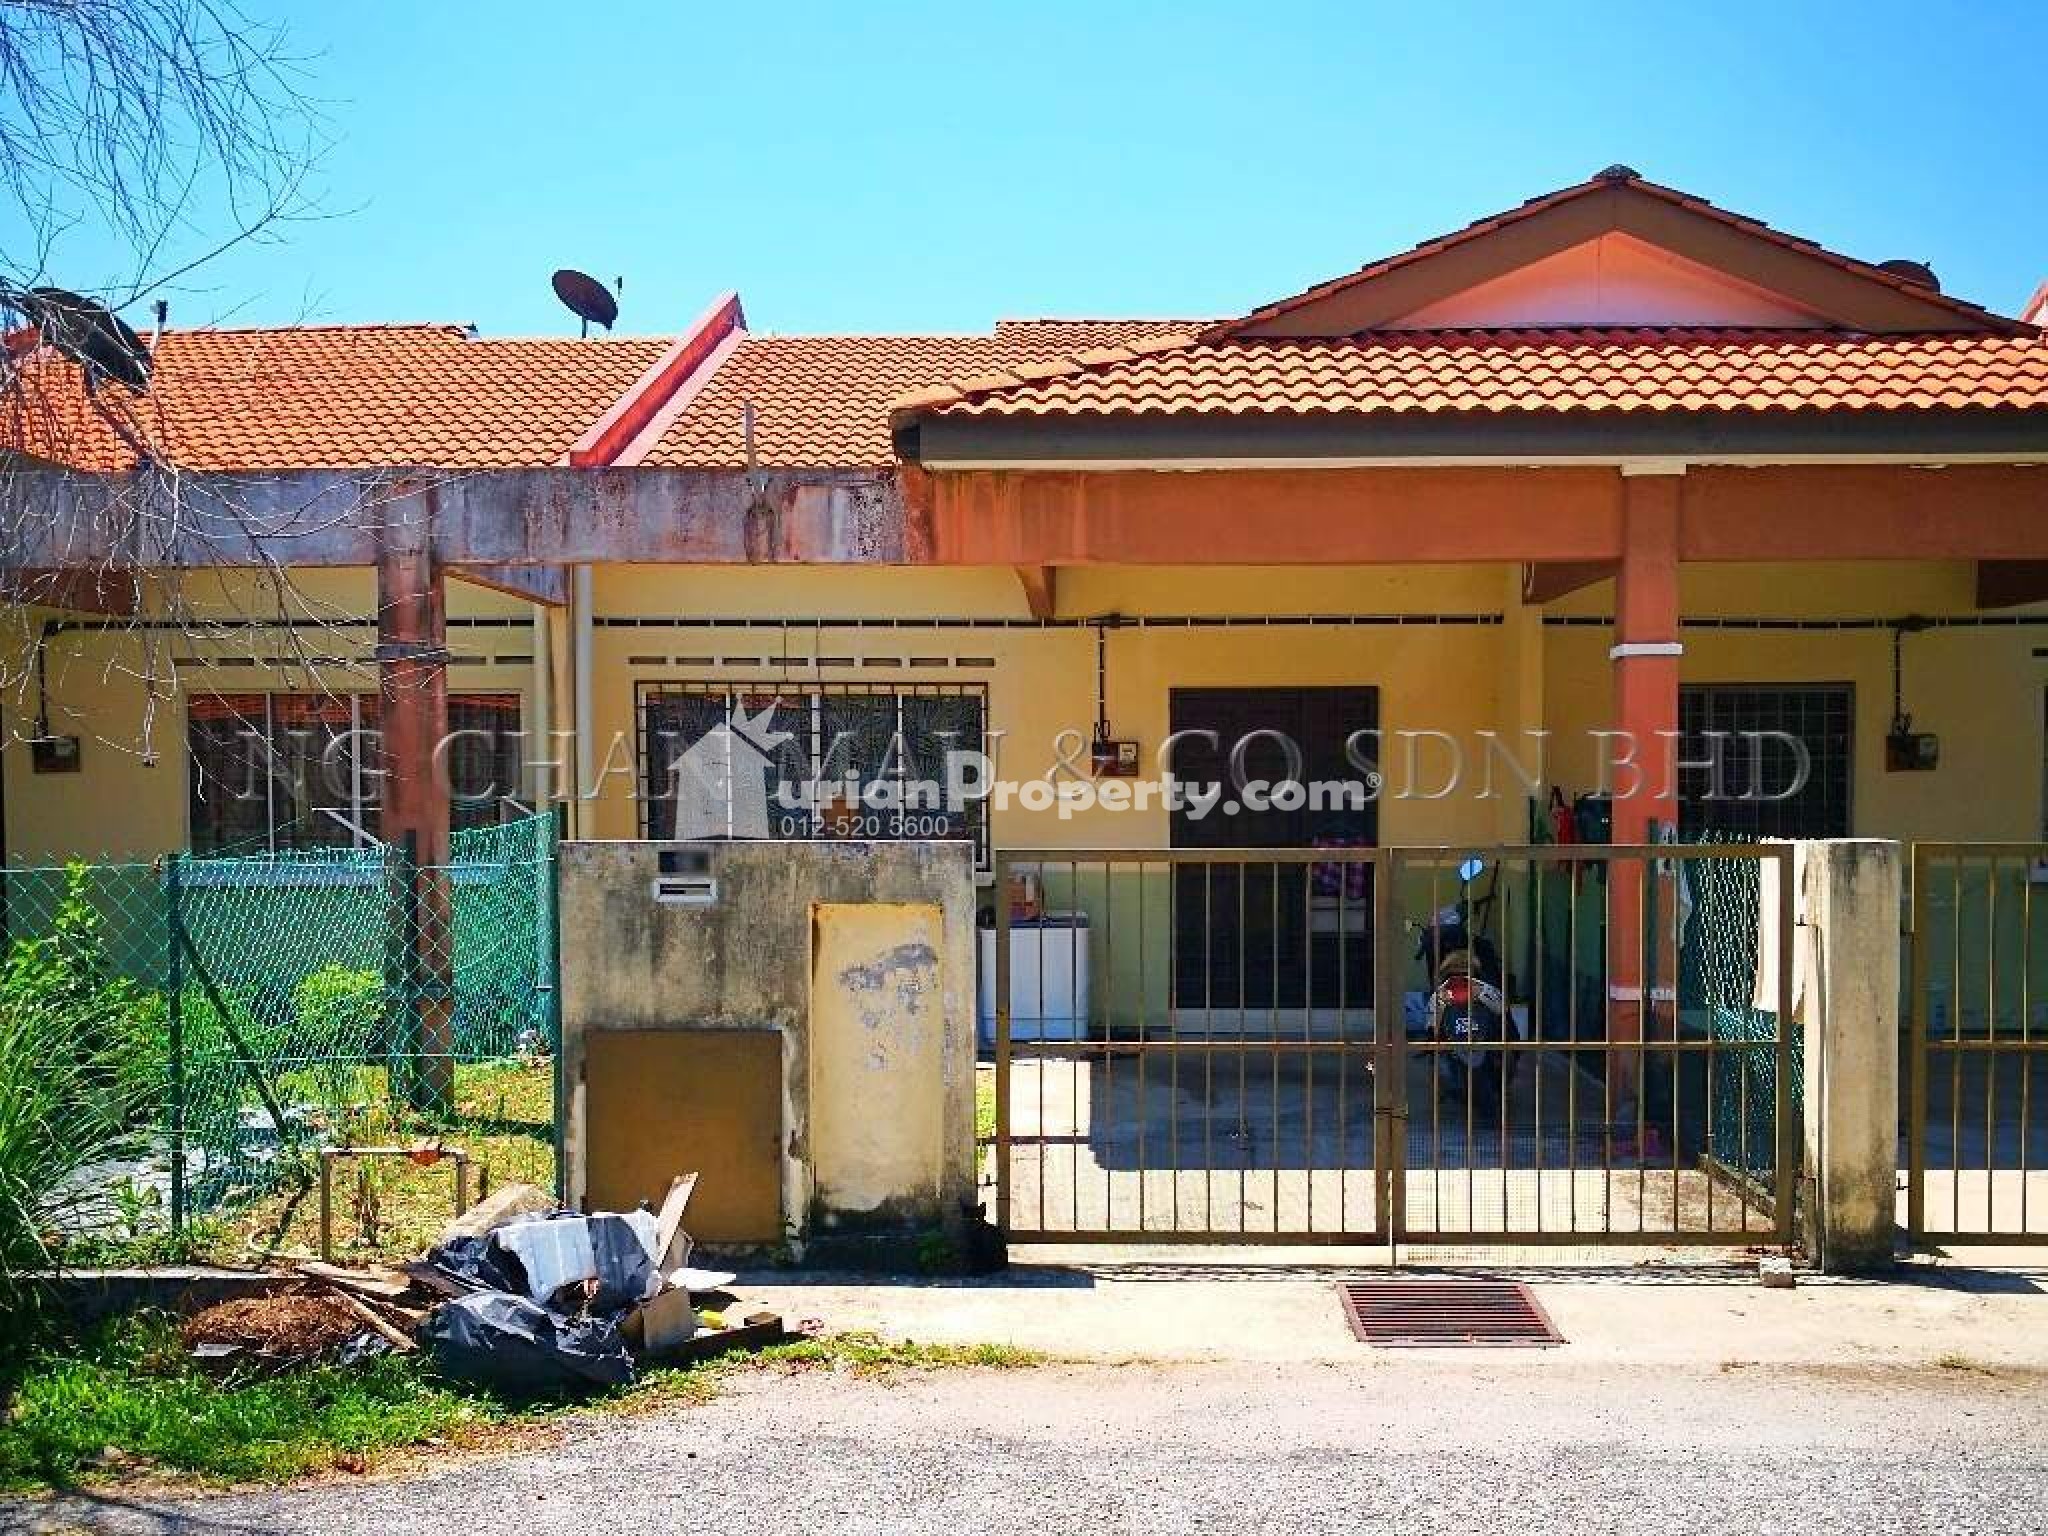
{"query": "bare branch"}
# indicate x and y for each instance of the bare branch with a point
(168, 131)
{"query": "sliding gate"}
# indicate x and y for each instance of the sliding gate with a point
(1976, 1126)
(1225, 1046)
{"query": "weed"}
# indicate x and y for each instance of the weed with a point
(125, 1399)
(129, 1400)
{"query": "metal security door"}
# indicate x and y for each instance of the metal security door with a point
(1976, 1132)
(1643, 1088)
(1134, 1106)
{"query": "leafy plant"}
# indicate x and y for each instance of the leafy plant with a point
(129, 1399)
(340, 1014)
(75, 1073)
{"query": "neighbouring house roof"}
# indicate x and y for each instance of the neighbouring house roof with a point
(824, 400)
(1503, 372)
(328, 397)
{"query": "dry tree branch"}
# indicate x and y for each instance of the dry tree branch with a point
(149, 125)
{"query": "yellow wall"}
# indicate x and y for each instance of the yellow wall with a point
(129, 797)
(1042, 683)
(1980, 689)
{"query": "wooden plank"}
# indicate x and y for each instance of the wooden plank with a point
(669, 1226)
(384, 1284)
(402, 1342)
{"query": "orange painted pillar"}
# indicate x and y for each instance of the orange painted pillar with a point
(1642, 766)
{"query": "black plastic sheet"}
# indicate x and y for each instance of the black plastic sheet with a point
(520, 1348)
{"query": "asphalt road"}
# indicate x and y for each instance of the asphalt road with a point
(1470, 1445)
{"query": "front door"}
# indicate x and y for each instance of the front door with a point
(1255, 935)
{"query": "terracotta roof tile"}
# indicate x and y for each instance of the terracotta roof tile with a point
(330, 397)
(823, 401)
(1078, 335)
(1548, 370)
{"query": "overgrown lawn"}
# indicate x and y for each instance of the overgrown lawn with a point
(126, 1403)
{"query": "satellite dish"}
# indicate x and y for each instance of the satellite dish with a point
(587, 298)
(87, 332)
(1913, 272)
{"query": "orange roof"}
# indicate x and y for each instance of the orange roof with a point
(823, 401)
(329, 397)
(1081, 335)
(1675, 370)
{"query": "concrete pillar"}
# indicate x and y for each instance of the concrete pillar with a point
(412, 675)
(1847, 998)
(1643, 780)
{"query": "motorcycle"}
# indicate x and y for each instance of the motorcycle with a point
(1467, 1011)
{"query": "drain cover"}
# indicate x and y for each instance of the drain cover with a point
(1443, 1313)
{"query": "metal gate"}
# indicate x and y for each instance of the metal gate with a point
(1224, 1046)
(1976, 1140)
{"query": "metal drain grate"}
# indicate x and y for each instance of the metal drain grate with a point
(1441, 1313)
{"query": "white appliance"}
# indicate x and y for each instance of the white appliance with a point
(1049, 979)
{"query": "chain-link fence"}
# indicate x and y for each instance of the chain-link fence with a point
(278, 1004)
(1732, 988)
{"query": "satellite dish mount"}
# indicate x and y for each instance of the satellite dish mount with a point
(587, 298)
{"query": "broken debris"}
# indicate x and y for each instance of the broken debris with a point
(279, 1330)
(517, 1346)
(508, 1203)
(518, 1296)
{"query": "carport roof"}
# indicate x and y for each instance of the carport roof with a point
(1581, 370)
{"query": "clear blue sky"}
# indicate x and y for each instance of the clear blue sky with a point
(890, 168)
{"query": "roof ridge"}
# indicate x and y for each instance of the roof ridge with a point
(1438, 334)
(1098, 320)
(636, 338)
(1607, 181)
(872, 335)
(467, 327)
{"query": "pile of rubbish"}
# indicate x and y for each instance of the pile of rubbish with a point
(273, 1331)
(517, 1296)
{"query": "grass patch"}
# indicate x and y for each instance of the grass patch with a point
(386, 1207)
(125, 1402)
(869, 1354)
(128, 1401)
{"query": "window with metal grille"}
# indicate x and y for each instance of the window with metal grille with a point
(1739, 773)
(859, 761)
(295, 770)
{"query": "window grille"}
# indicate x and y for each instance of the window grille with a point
(855, 763)
(1737, 772)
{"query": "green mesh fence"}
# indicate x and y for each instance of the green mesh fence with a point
(1719, 987)
(272, 998)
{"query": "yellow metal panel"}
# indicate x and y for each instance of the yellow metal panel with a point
(663, 1102)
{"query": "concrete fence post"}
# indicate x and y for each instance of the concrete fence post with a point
(1848, 1006)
